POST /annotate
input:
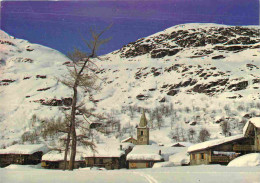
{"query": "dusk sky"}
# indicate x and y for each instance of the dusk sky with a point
(60, 24)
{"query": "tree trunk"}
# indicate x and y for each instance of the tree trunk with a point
(67, 148)
(73, 129)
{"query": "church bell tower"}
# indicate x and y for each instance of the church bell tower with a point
(143, 131)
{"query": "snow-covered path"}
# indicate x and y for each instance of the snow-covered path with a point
(149, 178)
(192, 174)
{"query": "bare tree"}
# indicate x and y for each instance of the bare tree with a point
(204, 135)
(173, 119)
(191, 133)
(177, 134)
(225, 128)
(151, 119)
(159, 118)
(182, 134)
(81, 75)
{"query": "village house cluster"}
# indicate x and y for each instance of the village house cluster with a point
(138, 153)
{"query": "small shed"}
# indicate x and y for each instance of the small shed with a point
(130, 140)
(22, 154)
(55, 160)
(109, 155)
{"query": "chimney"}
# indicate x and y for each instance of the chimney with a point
(160, 152)
(121, 147)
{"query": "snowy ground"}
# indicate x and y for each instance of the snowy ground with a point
(209, 173)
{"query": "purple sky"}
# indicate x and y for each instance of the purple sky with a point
(57, 24)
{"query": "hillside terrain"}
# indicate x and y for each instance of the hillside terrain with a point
(190, 76)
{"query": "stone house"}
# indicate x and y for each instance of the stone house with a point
(22, 154)
(219, 151)
(145, 156)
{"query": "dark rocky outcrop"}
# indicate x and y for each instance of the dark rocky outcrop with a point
(173, 92)
(7, 42)
(41, 76)
(236, 48)
(161, 45)
(238, 86)
(44, 89)
(28, 48)
(6, 82)
(252, 66)
(67, 101)
(162, 100)
(256, 81)
(159, 53)
(55, 102)
(142, 97)
(211, 87)
(218, 57)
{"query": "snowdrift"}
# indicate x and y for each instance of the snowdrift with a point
(252, 159)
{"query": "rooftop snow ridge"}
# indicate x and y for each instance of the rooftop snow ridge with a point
(212, 143)
(25, 149)
(255, 121)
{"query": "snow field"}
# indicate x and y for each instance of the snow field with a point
(204, 174)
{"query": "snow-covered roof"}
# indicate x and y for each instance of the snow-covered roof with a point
(151, 152)
(125, 140)
(180, 158)
(108, 150)
(101, 150)
(212, 143)
(25, 149)
(145, 152)
(245, 128)
(255, 121)
(59, 156)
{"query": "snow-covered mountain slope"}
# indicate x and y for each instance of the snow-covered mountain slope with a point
(28, 78)
(209, 72)
(202, 73)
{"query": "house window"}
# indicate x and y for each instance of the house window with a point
(202, 156)
(100, 161)
(193, 156)
(142, 133)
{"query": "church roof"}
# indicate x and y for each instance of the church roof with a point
(143, 121)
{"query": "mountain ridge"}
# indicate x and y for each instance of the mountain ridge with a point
(203, 84)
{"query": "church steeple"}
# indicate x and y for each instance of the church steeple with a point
(143, 120)
(143, 131)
